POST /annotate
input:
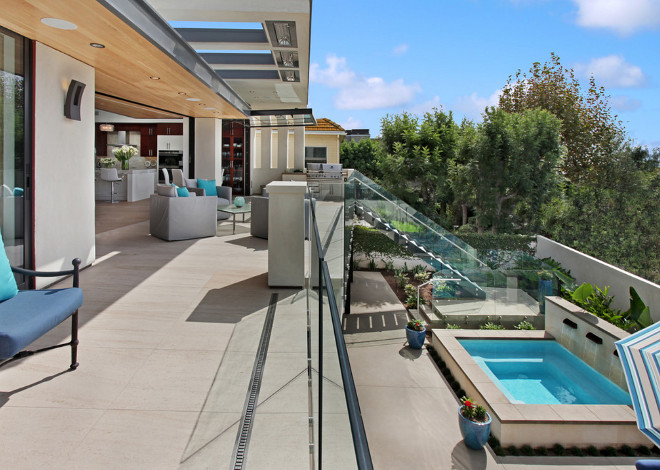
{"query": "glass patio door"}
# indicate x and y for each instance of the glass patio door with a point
(14, 223)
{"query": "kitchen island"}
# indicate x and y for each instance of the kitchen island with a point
(136, 184)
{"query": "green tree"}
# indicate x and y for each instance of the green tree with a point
(590, 132)
(363, 156)
(417, 156)
(513, 167)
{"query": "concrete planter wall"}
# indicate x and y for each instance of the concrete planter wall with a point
(587, 336)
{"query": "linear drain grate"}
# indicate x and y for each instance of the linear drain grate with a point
(245, 426)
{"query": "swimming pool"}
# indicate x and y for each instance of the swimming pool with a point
(542, 372)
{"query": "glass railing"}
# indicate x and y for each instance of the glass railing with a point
(336, 419)
(469, 288)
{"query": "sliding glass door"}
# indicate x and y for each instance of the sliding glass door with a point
(15, 222)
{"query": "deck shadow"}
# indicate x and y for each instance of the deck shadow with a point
(232, 303)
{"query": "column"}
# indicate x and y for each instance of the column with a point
(282, 148)
(208, 148)
(299, 147)
(286, 233)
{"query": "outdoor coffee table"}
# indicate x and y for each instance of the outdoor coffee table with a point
(233, 210)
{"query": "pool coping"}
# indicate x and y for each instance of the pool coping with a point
(618, 420)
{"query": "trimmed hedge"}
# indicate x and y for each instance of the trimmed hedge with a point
(483, 242)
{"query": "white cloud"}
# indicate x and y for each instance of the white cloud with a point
(613, 71)
(400, 49)
(352, 123)
(359, 92)
(622, 16)
(474, 105)
(426, 106)
(625, 103)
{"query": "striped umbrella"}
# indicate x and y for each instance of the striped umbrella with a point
(640, 357)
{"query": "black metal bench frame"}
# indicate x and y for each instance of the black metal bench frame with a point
(75, 272)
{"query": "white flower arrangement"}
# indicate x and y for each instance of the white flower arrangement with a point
(125, 152)
(107, 162)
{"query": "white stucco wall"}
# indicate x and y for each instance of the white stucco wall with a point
(331, 141)
(64, 165)
(585, 268)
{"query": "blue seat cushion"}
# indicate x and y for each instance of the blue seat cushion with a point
(31, 314)
(647, 464)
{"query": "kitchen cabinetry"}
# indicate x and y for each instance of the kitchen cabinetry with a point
(234, 156)
(170, 142)
(166, 128)
(148, 141)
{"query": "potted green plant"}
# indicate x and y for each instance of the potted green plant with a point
(474, 423)
(545, 288)
(124, 154)
(415, 333)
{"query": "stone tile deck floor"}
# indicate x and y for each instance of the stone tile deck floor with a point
(168, 333)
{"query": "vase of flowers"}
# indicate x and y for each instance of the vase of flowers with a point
(415, 334)
(107, 162)
(474, 423)
(124, 154)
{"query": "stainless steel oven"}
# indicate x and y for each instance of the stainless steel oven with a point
(169, 159)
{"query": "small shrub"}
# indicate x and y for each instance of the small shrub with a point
(512, 450)
(422, 276)
(592, 451)
(452, 326)
(460, 393)
(499, 451)
(558, 449)
(389, 264)
(493, 441)
(643, 450)
(527, 450)
(576, 451)
(608, 451)
(455, 386)
(372, 264)
(445, 371)
(524, 325)
(441, 363)
(491, 326)
(410, 290)
(541, 451)
(401, 277)
(627, 450)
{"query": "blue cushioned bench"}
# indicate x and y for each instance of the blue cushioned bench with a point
(30, 314)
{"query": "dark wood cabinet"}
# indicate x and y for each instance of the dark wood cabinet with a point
(148, 141)
(166, 128)
(235, 160)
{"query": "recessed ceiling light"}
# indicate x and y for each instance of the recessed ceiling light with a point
(155, 78)
(209, 108)
(192, 99)
(59, 24)
(97, 45)
(182, 93)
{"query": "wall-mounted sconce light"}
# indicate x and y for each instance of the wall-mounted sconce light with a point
(74, 100)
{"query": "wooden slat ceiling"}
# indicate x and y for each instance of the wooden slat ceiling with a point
(124, 67)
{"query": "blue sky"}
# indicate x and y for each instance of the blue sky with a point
(373, 58)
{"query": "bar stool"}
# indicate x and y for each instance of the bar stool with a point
(110, 174)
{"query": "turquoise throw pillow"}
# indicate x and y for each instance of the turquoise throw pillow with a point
(208, 186)
(182, 192)
(8, 288)
(18, 191)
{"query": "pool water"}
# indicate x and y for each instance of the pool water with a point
(543, 372)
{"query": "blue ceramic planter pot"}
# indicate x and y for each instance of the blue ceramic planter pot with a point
(415, 338)
(545, 289)
(475, 435)
(239, 201)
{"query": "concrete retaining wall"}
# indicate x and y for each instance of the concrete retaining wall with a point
(585, 268)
